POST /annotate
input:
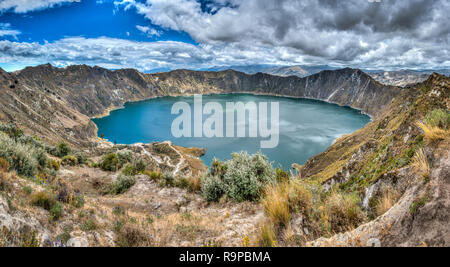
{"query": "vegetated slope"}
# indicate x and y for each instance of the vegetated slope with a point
(56, 103)
(401, 172)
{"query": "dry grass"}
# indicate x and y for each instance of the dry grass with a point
(4, 183)
(266, 235)
(421, 164)
(386, 201)
(195, 184)
(432, 133)
(341, 212)
(281, 199)
(301, 196)
(183, 229)
(276, 204)
(133, 236)
(4, 165)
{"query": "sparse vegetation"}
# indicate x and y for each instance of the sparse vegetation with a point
(168, 179)
(88, 225)
(25, 238)
(325, 213)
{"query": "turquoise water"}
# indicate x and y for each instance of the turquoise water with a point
(307, 127)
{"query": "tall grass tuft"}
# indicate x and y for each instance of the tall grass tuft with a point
(276, 203)
(421, 164)
(435, 125)
(432, 133)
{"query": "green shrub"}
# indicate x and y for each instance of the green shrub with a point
(63, 150)
(118, 211)
(77, 201)
(212, 188)
(124, 156)
(69, 161)
(21, 157)
(110, 162)
(28, 190)
(65, 236)
(89, 225)
(154, 176)
(56, 211)
(122, 184)
(140, 166)
(168, 179)
(43, 199)
(41, 157)
(80, 157)
(53, 164)
(218, 168)
(11, 130)
(182, 182)
(246, 176)
(242, 178)
(128, 169)
(438, 118)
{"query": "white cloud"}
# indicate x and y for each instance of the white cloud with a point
(150, 32)
(145, 56)
(355, 33)
(5, 30)
(23, 6)
(342, 32)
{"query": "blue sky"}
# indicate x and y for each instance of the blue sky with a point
(168, 34)
(89, 19)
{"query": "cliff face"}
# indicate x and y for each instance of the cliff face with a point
(347, 87)
(56, 103)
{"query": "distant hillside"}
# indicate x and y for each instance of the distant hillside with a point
(404, 77)
(396, 78)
